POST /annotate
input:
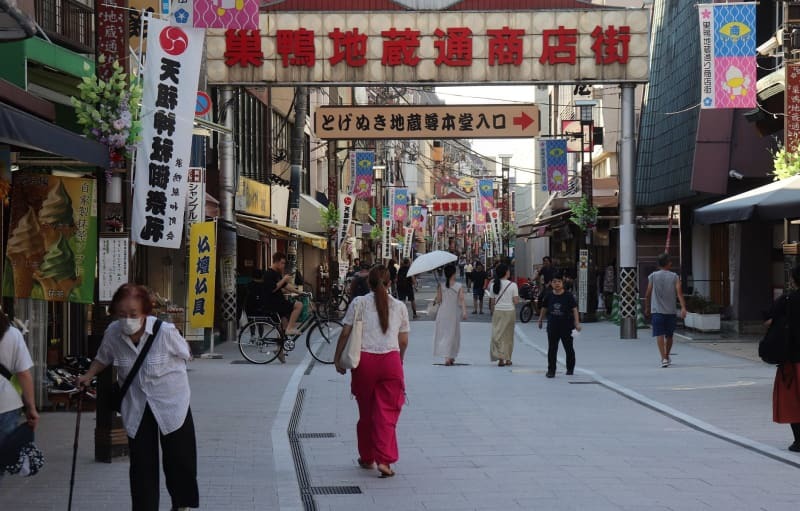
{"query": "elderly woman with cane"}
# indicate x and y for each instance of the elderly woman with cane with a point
(378, 382)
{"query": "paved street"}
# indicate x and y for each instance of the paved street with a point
(622, 434)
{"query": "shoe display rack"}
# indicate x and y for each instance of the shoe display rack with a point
(62, 390)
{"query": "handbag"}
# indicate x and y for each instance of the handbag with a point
(351, 355)
(494, 301)
(774, 347)
(117, 392)
(19, 455)
(433, 310)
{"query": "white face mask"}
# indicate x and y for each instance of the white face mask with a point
(131, 325)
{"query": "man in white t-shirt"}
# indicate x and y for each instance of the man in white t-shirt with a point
(16, 376)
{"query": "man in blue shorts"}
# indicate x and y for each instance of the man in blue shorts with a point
(663, 292)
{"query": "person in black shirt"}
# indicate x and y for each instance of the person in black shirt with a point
(478, 279)
(392, 277)
(405, 286)
(562, 316)
(275, 283)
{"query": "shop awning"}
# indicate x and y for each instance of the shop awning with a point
(310, 219)
(283, 232)
(772, 202)
(24, 130)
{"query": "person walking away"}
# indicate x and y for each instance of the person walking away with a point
(503, 297)
(663, 292)
(392, 267)
(467, 274)
(478, 288)
(16, 382)
(447, 336)
(378, 383)
(276, 283)
(359, 285)
(561, 310)
(156, 406)
(609, 285)
(462, 262)
(406, 285)
(786, 388)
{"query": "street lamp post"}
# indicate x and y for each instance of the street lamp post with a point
(585, 114)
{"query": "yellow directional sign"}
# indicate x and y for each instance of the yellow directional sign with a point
(427, 121)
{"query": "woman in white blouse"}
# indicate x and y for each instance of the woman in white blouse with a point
(503, 298)
(378, 382)
(156, 405)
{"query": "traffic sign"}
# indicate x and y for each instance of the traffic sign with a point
(203, 104)
(427, 121)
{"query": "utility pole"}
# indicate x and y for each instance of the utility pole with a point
(298, 143)
(505, 170)
(227, 227)
(628, 274)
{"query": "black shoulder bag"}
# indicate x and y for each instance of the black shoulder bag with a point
(774, 348)
(117, 393)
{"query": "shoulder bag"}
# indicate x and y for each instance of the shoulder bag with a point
(117, 393)
(351, 355)
(774, 347)
(495, 300)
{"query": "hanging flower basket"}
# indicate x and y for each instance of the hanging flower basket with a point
(584, 215)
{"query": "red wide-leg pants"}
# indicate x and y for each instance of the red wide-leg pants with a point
(379, 388)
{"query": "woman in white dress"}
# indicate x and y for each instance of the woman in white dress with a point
(447, 336)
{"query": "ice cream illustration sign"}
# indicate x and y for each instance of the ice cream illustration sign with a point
(52, 249)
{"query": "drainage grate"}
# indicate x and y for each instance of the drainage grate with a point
(316, 435)
(584, 383)
(335, 490)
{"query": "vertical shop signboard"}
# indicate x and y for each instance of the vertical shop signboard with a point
(195, 213)
(169, 95)
(112, 266)
(408, 240)
(583, 278)
(111, 35)
(387, 238)
(52, 245)
(202, 268)
(792, 123)
(346, 204)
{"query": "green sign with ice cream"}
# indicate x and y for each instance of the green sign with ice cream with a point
(52, 249)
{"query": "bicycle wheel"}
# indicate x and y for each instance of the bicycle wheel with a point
(260, 342)
(322, 338)
(526, 312)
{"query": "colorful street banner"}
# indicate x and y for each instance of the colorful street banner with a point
(478, 216)
(400, 205)
(52, 245)
(361, 164)
(169, 95)
(415, 214)
(555, 164)
(386, 240)
(728, 55)
(346, 204)
(230, 14)
(486, 195)
(423, 219)
(203, 274)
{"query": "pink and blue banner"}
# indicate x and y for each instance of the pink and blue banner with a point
(555, 164)
(400, 205)
(415, 213)
(230, 14)
(362, 163)
(486, 196)
(728, 55)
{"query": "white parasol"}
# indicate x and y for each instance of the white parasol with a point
(431, 261)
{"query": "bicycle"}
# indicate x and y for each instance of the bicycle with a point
(263, 338)
(530, 293)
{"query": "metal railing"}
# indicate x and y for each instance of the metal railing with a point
(68, 23)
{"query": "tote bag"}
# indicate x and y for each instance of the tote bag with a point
(351, 355)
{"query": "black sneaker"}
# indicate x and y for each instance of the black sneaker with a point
(795, 447)
(551, 374)
(570, 372)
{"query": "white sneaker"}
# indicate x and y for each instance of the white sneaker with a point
(664, 362)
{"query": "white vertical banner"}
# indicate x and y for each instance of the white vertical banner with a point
(169, 96)
(408, 240)
(112, 266)
(387, 238)
(496, 230)
(346, 204)
(583, 279)
(489, 243)
(195, 197)
(542, 154)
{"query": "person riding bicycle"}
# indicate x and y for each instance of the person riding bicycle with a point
(275, 284)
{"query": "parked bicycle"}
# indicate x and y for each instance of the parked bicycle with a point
(263, 338)
(529, 292)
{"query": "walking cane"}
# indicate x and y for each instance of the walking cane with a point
(75, 448)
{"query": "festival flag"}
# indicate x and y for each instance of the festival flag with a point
(486, 195)
(386, 240)
(203, 272)
(423, 218)
(230, 14)
(362, 163)
(555, 163)
(478, 216)
(400, 205)
(415, 213)
(408, 241)
(728, 55)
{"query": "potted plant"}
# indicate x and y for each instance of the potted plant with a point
(702, 314)
(330, 217)
(584, 215)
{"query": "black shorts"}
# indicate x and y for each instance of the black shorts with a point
(403, 294)
(281, 307)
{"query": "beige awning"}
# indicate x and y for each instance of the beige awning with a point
(282, 231)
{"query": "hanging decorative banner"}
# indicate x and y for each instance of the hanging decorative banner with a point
(203, 274)
(52, 245)
(415, 214)
(408, 241)
(346, 203)
(169, 95)
(486, 195)
(361, 164)
(478, 218)
(555, 164)
(230, 14)
(496, 227)
(728, 55)
(400, 205)
(489, 246)
(541, 148)
(196, 196)
(423, 218)
(387, 238)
